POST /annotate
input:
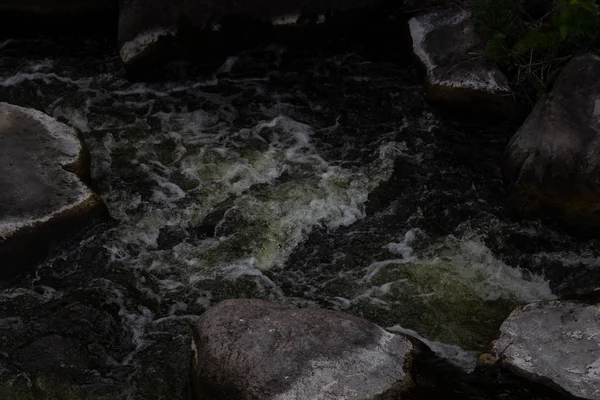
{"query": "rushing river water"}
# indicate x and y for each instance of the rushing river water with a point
(313, 177)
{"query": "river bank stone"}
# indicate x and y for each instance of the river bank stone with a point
(253, 349)
(43, 170)
(458, 76)
(153, 32)
(556, 343)
(551, 166)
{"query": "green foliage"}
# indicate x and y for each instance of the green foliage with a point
(533, 52)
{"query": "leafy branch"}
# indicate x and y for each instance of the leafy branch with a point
(533, 52)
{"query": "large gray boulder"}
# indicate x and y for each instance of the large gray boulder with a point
(556, 343)
(551, 166)
(152, 31)
(458, 76)
(253, 349)
(43, 170)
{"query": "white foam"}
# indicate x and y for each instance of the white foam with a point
(403, 248)
(376, 267)
(445, 278)
(225, 164)
(227, 65)
(46, 77)
(287, 19)
(44, 64)
(76, 117)
(274, 171)
(466, 360)
(5, 43)
(133, 48)
(474, 81)
(491, 278)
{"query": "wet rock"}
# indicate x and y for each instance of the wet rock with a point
(457, 74)
(556, 343)
(164, 372)
(56, 349)
(252, 349)
(151, 32)
(552, 165)
(52, 351)
(43, 166)
(215, 219)
(80, 346)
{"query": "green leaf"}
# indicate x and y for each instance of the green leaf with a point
(588, 5)
(564, 32)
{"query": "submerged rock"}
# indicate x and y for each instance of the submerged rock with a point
(457, 74)
(556, 343)
(552, 165)
(253, 349)
(43, 167)
(151, 32)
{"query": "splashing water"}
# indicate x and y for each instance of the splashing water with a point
(295, 181)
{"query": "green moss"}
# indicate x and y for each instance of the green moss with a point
(443, 300)
(533, 52)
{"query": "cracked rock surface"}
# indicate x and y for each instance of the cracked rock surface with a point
(556, 343)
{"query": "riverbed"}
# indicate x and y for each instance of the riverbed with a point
(314, 176)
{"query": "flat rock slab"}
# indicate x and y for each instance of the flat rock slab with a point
(444, 42)
(42, 167)
(253, 349)
(556, 343)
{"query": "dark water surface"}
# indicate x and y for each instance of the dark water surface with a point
(313, 177)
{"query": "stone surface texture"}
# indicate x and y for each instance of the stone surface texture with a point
(457, 74)
(552, 165)
(556, 343)
(253, 349)
(43, 165)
